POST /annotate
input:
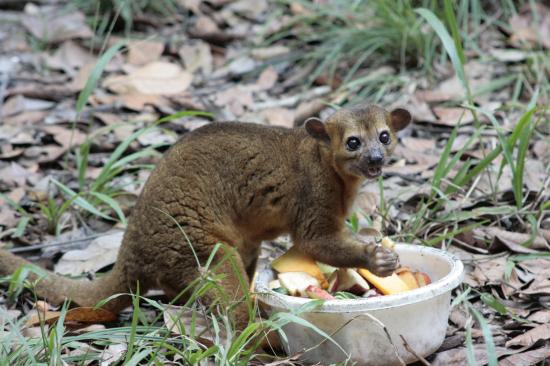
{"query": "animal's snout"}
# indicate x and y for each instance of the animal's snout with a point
(375, 157)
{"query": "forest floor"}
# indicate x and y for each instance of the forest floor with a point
(83, 88)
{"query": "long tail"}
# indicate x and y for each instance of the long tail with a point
(56, 289)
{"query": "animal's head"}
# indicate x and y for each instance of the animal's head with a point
(361, 139)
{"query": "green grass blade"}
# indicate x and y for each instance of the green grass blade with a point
(482, 165)
(95, 75)
(517, 179)
(79, 201)
(112, 204)
(448, 44)
(487, 335)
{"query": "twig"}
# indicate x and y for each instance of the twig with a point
(383, 326)
(59, 243)
(412, 351)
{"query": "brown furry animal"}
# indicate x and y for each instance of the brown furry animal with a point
(239, 184)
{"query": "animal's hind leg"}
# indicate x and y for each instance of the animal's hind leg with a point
(180, 270)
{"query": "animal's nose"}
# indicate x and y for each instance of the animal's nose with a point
(375, 157)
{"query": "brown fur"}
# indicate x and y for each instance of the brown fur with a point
(239, 184)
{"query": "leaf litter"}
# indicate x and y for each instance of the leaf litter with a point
(209, 67)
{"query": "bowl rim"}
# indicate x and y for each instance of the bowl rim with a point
(450, 281)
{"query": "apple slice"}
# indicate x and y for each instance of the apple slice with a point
(318, 293)
(297, 282)
(351, 281)
(387, 243)
(333, 282)
(274, 284)
(387, 285)
(295, 261)
(409, 278)
(422, 278)
(326, 269)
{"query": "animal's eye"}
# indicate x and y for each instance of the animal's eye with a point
(384, 137)
(353, 143)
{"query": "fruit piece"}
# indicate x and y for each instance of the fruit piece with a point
(297, 282)
(326, 269)
(387, 243)
(318, 293)
(274, 284)
(403, 269)
(409, 278)
(281, 290)
(351, 281)
(333, 282)
(295, 261)
(422, 278)
(387, 285)
(371, 293)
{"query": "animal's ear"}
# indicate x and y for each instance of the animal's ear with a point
(400, 118)
(317, 129)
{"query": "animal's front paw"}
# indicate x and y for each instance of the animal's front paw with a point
(382, 261)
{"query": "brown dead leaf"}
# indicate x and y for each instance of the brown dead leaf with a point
(512, 285)
(526, 358)
(452, 116)
(367, 202)
(236, 99)
(418, 144)
(279, 117)
(14, 174)
(512, 240)
(490, 272)
(267, 78)
(100, 253)
(79, 315)
(457, 356)
(8, 152)
(134, 101)
(54, 25)
(143, 52)
(531, 336)
(197, 56)
(527, 30)
(540, 286)
(8, 217)
(179, 319)
(207, 29)
(541, 316)
(20, 103)
(69, 57)
(157, 78)
(66, 137)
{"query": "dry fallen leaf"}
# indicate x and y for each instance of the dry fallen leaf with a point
(100, 253)
(143, 52)
(267, 78)
(53, 25)
(531, 336)
(527, 30)
(452, 116)
(179, 320)
(279, 117)
(78, 315)
(541, 316)
(526, 358)
(197, 56)
(69, 57)
(158, 78)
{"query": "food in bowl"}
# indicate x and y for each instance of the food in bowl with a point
(300, 275)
